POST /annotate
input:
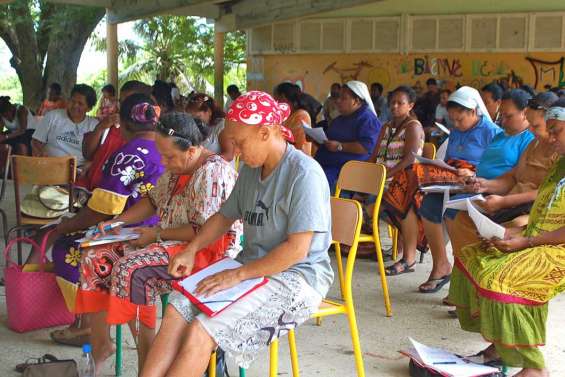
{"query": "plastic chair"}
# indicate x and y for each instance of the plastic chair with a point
(347, 218)
(41, 171)
(429, 151)
(366, 178)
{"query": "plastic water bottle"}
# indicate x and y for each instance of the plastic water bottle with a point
(86, 363)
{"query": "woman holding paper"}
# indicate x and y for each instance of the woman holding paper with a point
(501, 288)
(352, 135)
(299, 118)
(512, 194)
(119, 282)
(284, 200)
(473, 131)
(500, 157)
(128, 175)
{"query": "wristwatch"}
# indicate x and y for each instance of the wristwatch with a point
(158, 235)
(339, 147)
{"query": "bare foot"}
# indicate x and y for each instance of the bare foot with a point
(489, 354)
(101, 354)
(531, 372)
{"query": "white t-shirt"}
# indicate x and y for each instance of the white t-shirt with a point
(61, 136)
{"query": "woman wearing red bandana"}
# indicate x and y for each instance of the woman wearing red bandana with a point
(283, 198)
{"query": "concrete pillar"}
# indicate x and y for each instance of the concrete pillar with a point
(219, 66)
(111, 53)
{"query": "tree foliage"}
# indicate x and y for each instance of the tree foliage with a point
(179, 49)
(46, 41)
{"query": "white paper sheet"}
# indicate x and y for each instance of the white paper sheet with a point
(446, 362)
(222, 299)
(440, 188)
(443, 128)
(438, 163)
(317, 134)
(126, 234)
(461, 204)
(486, 227)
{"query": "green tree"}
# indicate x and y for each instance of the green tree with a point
(46, 41)
(179, 49)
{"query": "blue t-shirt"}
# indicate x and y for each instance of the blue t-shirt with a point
(471, 144)
(503, 154)
(362, 127)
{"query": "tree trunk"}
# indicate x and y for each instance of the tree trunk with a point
(62, 31)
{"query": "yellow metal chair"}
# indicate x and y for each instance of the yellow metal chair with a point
(429, 151)
(347, 218)
(366, 178)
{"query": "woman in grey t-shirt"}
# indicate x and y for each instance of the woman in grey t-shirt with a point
(283, 197)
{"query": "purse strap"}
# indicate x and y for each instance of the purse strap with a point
(42, 249)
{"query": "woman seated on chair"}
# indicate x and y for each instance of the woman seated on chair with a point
(194, 186)
(299, 118)
(284, 200)
(203, 107)
(352, 135)
(472, 133)
(500, 157)
(17, 125)
(61, 132)
(511, 195)
(128, 176)
(494, 287)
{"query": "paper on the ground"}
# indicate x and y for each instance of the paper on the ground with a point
(442, 128)
(438, 163)
(486, 227)
(446, 362)
(126, 234)
(461, 204)
(222, 299)
(317, 134)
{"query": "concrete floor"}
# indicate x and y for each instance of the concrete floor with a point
(326, 351)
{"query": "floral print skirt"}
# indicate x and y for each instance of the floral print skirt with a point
(66, 257)
(254, 321)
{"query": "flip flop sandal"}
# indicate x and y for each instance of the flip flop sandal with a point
(439, 284)
(495, 363)
(20, 368)
(406, 268)
(69, 338)
(445, 301)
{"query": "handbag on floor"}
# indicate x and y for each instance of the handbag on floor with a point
(33, 299)
(52, 368)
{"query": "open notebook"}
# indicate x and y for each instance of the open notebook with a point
(216, 303)
(126, 234)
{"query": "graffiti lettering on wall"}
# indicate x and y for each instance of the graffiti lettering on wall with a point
(484, 68)
(347, 74)
(547, 72)
(438, 67)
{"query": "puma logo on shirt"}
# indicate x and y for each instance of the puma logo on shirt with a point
(255, 218)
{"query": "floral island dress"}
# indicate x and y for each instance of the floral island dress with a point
(126, 282)
(128, 176)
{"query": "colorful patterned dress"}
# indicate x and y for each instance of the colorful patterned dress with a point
(128, 176)
(127, 282)
(504, 296)
(391, 147)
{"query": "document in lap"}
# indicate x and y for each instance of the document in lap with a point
(486, 227)
(216, 303)
(461, 204)
(439, 163)
(126, 234)
(446, 363)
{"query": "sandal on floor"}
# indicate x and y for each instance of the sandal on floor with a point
(406, 268)
(481, 356)
(70, 338)
(35, 360)
(439, 283)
